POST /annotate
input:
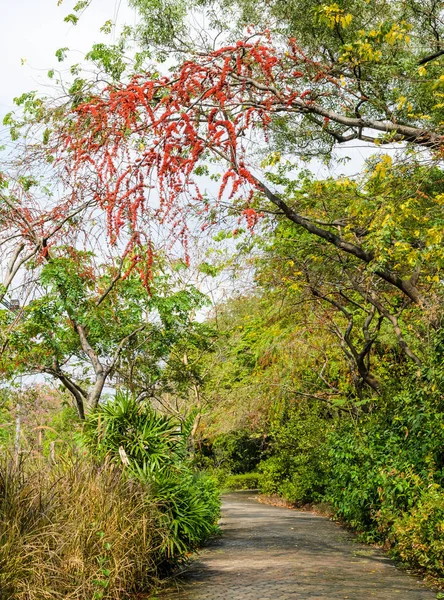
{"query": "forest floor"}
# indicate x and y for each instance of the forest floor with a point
(273, 553)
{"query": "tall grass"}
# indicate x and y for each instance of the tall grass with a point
(107, 518)
(76, 531)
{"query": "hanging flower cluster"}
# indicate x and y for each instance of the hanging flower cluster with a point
(153, 132)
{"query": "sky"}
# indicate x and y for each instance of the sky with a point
(32, 31)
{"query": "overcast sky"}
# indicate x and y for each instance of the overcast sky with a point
(32, 30)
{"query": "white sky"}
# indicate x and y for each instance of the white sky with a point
(34, 29)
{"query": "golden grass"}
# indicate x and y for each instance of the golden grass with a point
(75, 531)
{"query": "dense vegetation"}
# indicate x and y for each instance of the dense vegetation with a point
(169, 160)
(285, 392)
(106, 516)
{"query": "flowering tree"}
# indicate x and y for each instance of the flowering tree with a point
(136, 150)
(155, 131)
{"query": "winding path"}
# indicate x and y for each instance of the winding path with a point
(272, 553)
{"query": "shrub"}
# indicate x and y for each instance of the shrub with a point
(153, 448)
(418, 536)
(76, 530)
(238, 451)
(132, 433)
(299, 464)
(242, 481)
(382, 467)
(219, 476)
(189, 506)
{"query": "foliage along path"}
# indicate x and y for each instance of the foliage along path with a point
(272, 553)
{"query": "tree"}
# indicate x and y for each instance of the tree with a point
(164, 128)
(357, 73)
(396, 211)
(88, 320)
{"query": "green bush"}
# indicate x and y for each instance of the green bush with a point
(238, 451)
(133, 434)
(418, 536)
(299, 464)
(190, 507)
(153, 449)
(382, 467)
(219, 476)
(384, 473)
(242, 481)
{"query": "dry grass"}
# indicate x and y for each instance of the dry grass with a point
(75, 531)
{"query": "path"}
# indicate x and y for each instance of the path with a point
(272, 553)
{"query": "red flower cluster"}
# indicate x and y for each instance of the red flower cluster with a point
(148, 137)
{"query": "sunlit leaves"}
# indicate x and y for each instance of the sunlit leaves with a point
(71, 18)
(109, 58)
(333, 15)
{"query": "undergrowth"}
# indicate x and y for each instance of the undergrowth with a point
(242, 481)
(103, 519)
(75, 530)
(383, 474)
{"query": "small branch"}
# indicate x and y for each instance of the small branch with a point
(329, 402)
(372, 299)
(14, 267)
(121, 346)
(430, 57)
(366, 256)
(111, 285)
(88, 349)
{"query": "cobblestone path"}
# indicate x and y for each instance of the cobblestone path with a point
(271, 553)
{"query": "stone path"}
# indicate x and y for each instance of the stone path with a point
(273, 553)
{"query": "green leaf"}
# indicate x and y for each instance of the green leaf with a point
(107, 27)
(81, 5)
(71, 19)
(61, 54)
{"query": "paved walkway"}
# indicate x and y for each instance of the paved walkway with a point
(272, 553)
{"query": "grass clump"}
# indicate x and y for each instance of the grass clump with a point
(75, 530)
(107, 518)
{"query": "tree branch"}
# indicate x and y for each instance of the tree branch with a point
(366, 256)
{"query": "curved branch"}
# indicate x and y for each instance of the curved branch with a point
(366, 256)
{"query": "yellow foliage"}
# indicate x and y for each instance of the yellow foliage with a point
(383, 165)
(398, 32)
(360, 51)
(272, 159)
(344, 182)
(402, 102)
(332, 15)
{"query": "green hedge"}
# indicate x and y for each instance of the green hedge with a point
(299, 465)
(418, 536)
(383, 474)
(243, 481)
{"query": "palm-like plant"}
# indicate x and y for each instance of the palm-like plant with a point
(153, 449)
(133, 433)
